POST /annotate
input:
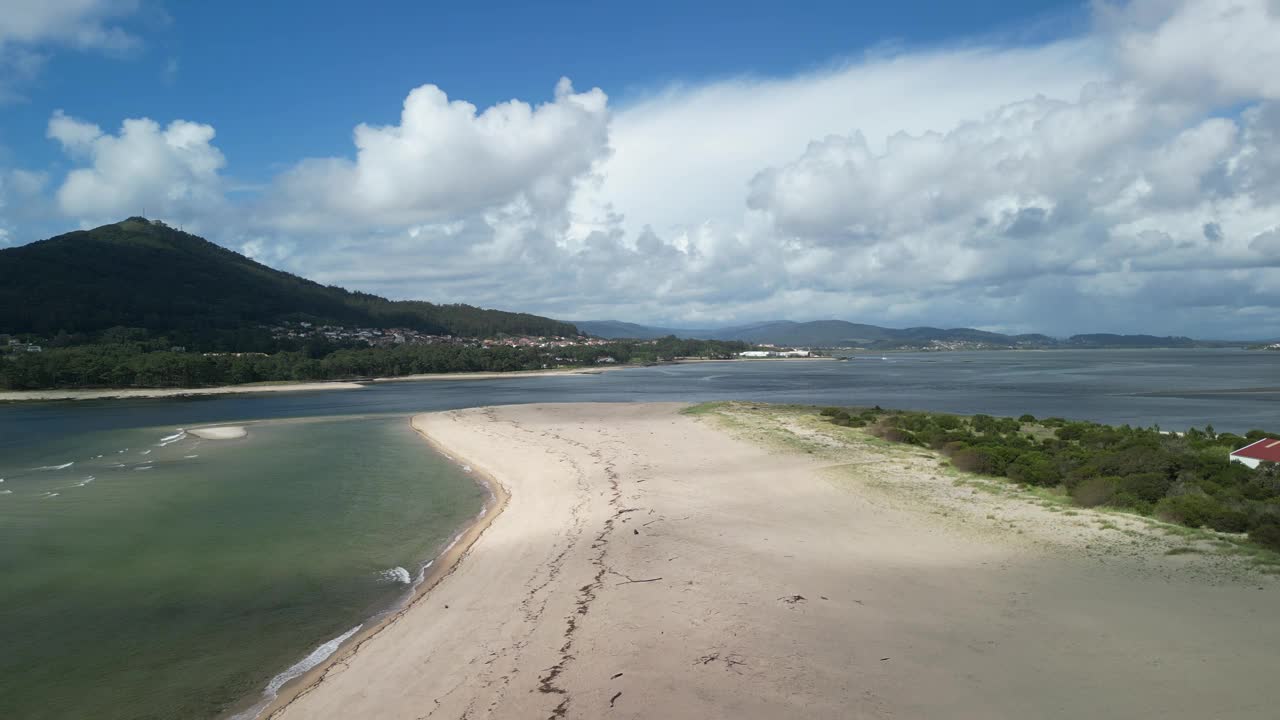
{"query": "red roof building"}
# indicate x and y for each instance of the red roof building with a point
(1253, 455)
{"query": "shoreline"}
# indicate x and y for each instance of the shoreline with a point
(61, 394)
(19, 396)
(653, 565)
(55, 395)
(436, 570)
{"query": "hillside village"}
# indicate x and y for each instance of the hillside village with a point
(390, 337)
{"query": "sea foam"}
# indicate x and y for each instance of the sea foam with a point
(169, 439)
(56, 467)
(397, 574)
(316, 657)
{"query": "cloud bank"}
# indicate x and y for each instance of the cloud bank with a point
(1125, 180)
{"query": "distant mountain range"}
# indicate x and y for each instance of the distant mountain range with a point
(838, 333)
(143, 274)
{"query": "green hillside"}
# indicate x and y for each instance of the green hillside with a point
(143, 274)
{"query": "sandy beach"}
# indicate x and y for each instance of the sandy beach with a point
(122, 393)
(653, 564)
(499, 375)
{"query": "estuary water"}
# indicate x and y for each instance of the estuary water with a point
(150, 574)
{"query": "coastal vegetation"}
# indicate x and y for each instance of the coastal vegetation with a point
(142, 363)
(1181, 478)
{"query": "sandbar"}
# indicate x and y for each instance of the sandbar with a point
(123, 393)
(228, 432)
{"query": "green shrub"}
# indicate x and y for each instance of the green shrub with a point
(1267, 534)
(1095, 491)
(1228, 520)
(984, 459)
(1034, 468)
(1150, 487)
(1132, 502)
(1191, 509)
(898, 435)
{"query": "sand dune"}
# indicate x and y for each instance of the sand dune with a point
(652, 565)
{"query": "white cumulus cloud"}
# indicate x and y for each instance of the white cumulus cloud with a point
(171, 172)
(446, 159)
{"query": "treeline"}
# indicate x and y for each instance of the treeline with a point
(1185, 479)
(139, 365)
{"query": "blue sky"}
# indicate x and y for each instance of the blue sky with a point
(1044, 166)
(282, 81)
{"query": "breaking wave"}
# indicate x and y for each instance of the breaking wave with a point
(316, 657)
(56, 467)
(170, 439)
(397, 574)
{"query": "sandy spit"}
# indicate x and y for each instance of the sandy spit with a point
(652, 565)
(515, 374)
(41, 395)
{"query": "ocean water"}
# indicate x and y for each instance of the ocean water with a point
(151, 574)
(145, 573)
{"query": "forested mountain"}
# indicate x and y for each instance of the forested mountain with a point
(839, 333)
(144, 274)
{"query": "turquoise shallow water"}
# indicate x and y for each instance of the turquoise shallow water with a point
(176, 578)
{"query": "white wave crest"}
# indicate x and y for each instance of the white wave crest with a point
(56, 467)
(188, 457)
(144, 467)
(316, 657)
(397, 574)
(6, 492)
(86, 481)
(146, 452)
